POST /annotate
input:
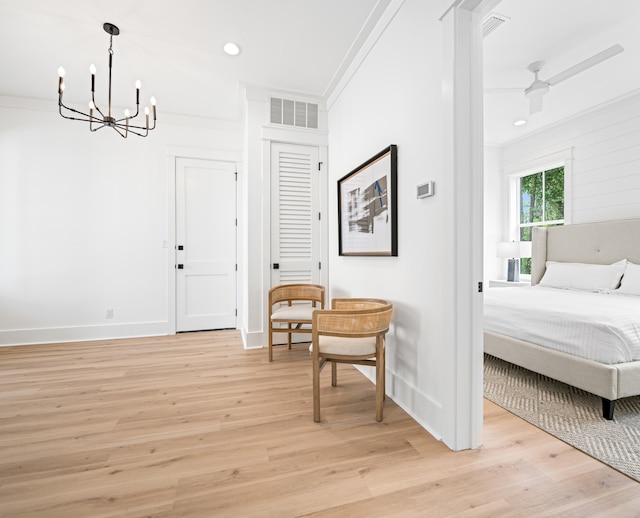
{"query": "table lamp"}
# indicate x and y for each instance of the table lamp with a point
(514, 250)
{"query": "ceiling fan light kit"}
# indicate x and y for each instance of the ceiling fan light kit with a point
(123, 126)
(537, 90)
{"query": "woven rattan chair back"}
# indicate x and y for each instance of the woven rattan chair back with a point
(290, 310)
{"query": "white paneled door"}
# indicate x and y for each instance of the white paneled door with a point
(295, 214)
(205, 244)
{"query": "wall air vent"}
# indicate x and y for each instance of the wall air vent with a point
(492, 22)
(294, 113)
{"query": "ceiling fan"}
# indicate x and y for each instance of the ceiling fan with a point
(537, 90)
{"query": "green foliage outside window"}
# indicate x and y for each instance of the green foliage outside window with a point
(541, 204)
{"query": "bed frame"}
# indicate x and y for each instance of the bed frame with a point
(595, 243)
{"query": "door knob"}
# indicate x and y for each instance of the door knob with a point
(181, 267)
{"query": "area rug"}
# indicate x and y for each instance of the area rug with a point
(568, 413)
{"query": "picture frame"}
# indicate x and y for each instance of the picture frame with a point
(368, 207)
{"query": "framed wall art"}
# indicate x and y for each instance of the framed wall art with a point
(367, 207)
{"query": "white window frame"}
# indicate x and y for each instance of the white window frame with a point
(514, 199)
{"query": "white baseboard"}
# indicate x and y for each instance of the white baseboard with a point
(252, 339)
(409, 398)
(82, 333)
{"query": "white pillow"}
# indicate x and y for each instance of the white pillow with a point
(582, 276)
(631, 280)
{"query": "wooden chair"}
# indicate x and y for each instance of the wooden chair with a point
(295, 304)
(353, 331)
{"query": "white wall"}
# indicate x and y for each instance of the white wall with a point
(495, 213)
(604, 144)
(82, 220)
(396, 97)
(253, 195)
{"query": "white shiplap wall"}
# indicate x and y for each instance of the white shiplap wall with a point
(603, 148)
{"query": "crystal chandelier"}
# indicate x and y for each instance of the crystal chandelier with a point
(96, 118)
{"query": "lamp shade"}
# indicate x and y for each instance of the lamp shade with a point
(513, 249)
(524, 248)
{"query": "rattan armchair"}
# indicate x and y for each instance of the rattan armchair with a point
(352, 331)
(291, 307)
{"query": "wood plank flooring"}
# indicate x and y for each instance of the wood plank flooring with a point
(194, 426)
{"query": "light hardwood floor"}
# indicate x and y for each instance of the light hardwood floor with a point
(193, 425)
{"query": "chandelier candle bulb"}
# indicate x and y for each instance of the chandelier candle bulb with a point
(153, 107)
(60, 80)
(127, 115)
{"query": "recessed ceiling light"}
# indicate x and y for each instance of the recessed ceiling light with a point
(233, 49)
(520, 122)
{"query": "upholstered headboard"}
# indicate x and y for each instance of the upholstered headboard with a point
(596, 243)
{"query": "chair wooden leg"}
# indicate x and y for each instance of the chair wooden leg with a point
(270, 342)
(334, 374)
(384, 375)
(380, 380)
(316, 388)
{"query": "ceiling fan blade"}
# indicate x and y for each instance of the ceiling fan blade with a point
(535, 103)
(584, 65)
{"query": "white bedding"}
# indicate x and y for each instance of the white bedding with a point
(603, 327)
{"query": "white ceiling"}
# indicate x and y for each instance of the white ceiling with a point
(561, 33)
(300, 46)
(175, 48)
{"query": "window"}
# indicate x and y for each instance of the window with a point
(540, 204)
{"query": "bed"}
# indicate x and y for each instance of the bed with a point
(603, 243)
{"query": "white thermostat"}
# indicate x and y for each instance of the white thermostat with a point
(425, 190)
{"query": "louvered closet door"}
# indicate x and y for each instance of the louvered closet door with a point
(295, 208)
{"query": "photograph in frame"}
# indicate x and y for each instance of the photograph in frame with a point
(367, 207)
